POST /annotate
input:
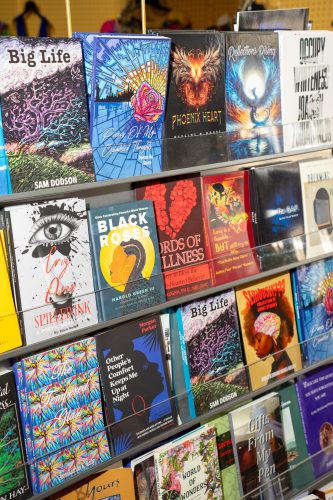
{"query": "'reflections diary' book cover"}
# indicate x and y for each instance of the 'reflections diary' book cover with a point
(50, 249)
(128, 274)
(268, 326)
(44, 112)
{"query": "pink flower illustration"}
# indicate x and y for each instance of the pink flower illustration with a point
(147, 104)
(328, 300)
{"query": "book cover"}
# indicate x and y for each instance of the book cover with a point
(14, 480)
(313, 287)
(4, 185)
(44, 112)
(135, 382)
(50, 247)
(259, 449)
(268, 326)
(253, 101)
(300, 467)
(277, 19)
(126, 255)
(227, 219)
(128, 104)
(210, 334)
(317, 195)
(178, 212)
(63, 412)
(315, 395)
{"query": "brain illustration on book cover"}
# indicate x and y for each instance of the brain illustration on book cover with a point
(44, 111)
(268, 326)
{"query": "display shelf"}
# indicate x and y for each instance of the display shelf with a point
(318, 483)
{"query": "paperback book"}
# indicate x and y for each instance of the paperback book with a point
(49, 246)
(127, 267)
(260, 450)
(127, 104)
(135, 382)
(178, 212)
(313, 295)
(277, 19)
(268, 327)
(209, 335)
(44, 113)
(4, 173)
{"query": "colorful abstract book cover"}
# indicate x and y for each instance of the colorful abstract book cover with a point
(4, 185)
(127, 261)
(63, 412)
(44, 113)
(313, 293)
(127, 105)
(14, 481)
(228, 226)
(253, 101)
(260, 450)
(51, 251)
(190, 467)
(135, 382)
(178, 212)
(268, 326)
(315, 395)
(210, 334)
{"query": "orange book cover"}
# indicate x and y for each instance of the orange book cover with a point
(268, 327)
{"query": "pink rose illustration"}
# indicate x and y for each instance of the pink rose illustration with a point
(328, 300)
(147, 104)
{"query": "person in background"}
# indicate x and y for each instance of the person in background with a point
(31, 22)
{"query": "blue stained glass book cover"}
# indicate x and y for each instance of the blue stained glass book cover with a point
(135, 382)
(127, 105)
(313, 291)
(128, 275)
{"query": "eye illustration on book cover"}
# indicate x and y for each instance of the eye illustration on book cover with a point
(127, 105)
(44, 109)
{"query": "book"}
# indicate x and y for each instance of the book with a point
(313, 286)
(14, 481)
(228, 226)
(44, 113)
(63, 414)
(4, 174)
(49, 247)
(252, 89)
(209, 335)
(317, 196)
(300, 467)
(268, 327)
(127, 104)
(277, 19)
(178, 212)
(127, 267)
(135, 382)
(259, 449)
(315, 397)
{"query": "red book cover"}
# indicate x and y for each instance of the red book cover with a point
(229, 236)
(178, 213)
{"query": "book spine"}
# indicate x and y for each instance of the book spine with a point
(234, 448)
(298, 314)
(186, 371)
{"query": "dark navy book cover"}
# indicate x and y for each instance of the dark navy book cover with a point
(135, 381)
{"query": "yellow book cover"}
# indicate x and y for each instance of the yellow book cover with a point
(115, 484)
(10, 336)
(268, 325)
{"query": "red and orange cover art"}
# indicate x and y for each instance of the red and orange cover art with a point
(228, 226)
(178, 213)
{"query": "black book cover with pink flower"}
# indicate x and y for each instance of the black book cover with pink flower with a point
(127, 104)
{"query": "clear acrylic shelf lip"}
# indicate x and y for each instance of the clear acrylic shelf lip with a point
(276, 257)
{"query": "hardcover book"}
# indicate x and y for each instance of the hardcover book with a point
(315, 395)
(14, 480)
(135, 382)
(253, 102)
(229, 236)
(209, 335)
(50, 250)
(268, 327)
(63, 412)
(178, 212)
(44, 112)
(259, 449)
(127, 104)
(277, 19)
(313, 295)
(127, 262)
